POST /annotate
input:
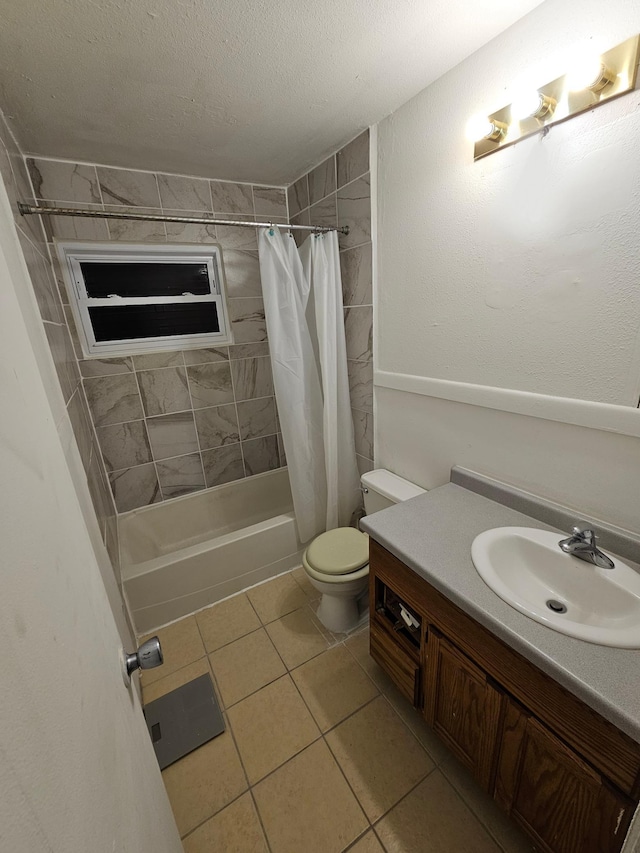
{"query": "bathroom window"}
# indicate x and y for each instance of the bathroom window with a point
(131, 298)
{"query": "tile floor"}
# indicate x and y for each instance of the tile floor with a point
(321, 753)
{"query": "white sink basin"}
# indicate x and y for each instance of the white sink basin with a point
(527, 569)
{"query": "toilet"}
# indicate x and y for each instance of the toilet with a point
(337, 562)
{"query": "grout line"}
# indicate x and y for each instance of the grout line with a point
(195, 426)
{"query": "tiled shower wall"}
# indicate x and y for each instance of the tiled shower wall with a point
(176, 422)
(337, 193)
(14, 173)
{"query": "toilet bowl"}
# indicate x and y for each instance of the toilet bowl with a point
(337, 562)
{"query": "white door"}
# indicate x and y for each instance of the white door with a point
(77, 769)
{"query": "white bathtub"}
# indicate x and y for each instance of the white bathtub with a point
(187, 553)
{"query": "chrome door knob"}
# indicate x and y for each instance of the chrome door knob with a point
(148, 656)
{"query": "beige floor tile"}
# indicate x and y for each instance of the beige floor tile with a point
(433, 819)
(297, 637)
(270, 727)
(306, 805)
(228, 621)
(245, 666)
(379, 756)
(236, 829)
(276, 598)
(368, 844)
(358, 646)
(333, 686)
(171, 682)
(205, 781)
(507, 834)
(301, 577)
(181, 644)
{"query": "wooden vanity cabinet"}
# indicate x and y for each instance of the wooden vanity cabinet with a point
(568, 777)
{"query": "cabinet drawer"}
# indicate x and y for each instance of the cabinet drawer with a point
(399, 666)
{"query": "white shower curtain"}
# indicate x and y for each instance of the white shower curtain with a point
(308, 353)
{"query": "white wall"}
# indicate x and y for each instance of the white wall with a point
(77, 768)
(517, 272)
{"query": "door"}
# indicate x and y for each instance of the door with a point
(553, 794)
(77, 768)
(462, 706)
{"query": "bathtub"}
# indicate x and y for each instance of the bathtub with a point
(189, 552)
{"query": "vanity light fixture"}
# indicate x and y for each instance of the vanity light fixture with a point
(480, 127)
(590, 73)
(532, 104)
(592, 81)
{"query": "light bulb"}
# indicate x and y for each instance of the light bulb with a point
(480, 127)
(531, 104)
(589, 73)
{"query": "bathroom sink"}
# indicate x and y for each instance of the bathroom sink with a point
(527, 569)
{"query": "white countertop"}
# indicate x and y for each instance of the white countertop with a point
(432, 535)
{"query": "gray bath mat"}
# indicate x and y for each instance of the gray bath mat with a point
(183, 720)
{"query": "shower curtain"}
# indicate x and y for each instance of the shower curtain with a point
(304, 313)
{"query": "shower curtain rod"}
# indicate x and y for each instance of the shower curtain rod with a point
(26, 209)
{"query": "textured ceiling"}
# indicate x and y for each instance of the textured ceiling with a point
(243, 90)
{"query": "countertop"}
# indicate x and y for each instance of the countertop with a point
(432, 534)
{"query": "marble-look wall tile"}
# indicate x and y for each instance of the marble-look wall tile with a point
(164, 391)
(206, 355)
(363, 433)
(354, 210)
(181, 475)
(64, 358)
(156, 360)
(358, 326)
(361, 384)
(355, 267)
(190, 232)
(210, 384)
(222, 465)
(77, 227)
(81, 424)
(242, 273)
(128, 187)
(260, 454)
(302, 218)
(62, 182)
(183, 193)
(364, 465)
(257, 418)
(105, 366)
(298, 195)
(228, 197)
(44, 286)
(269, 201)
(133, 231)
(323, 213)
(281, 451)
(124, 445)
(322, 180)
(252, 377)
(236, 236)
(99, 489)
(113, 399)
(134, 487)
(256, 350)
(172, 435)
(217, 426)
(353, 159)
(247, 319)
(73, 331)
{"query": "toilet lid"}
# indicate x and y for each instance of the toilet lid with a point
(339, 551)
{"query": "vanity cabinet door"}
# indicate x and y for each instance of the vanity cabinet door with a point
(462, 706)
(562, 802)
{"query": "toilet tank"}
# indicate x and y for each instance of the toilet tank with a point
(382, 489)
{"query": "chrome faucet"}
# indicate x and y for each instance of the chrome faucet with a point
(582, 544)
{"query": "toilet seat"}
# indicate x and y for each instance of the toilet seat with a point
(338, 556)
